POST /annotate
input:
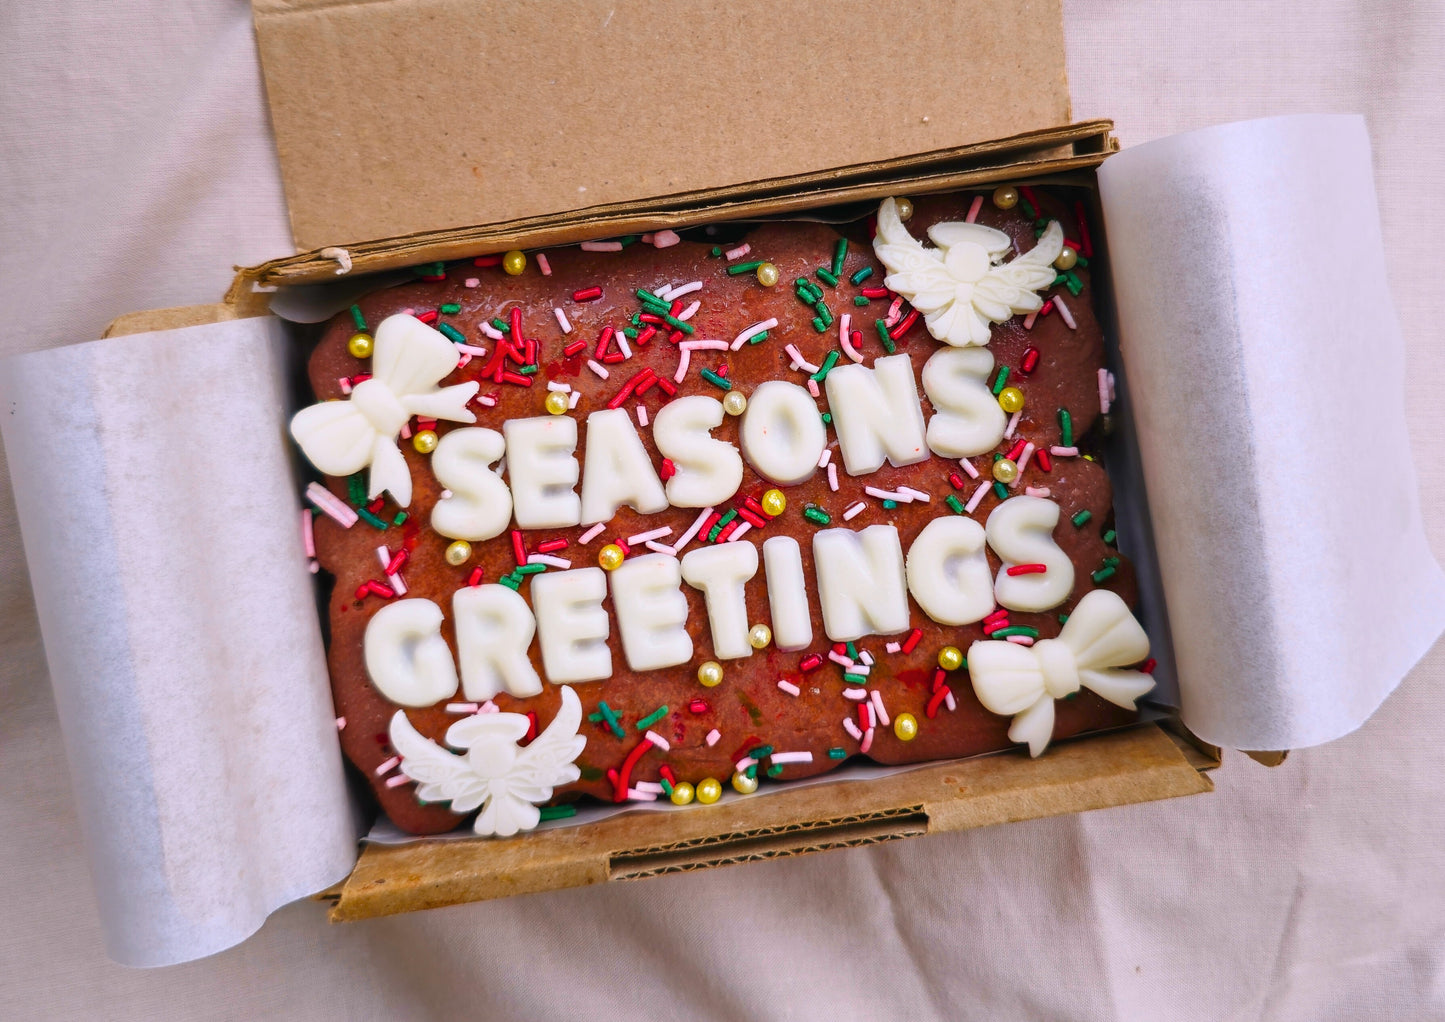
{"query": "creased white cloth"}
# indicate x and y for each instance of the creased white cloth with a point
(138, 168)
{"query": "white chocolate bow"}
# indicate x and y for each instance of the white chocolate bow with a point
(1023, 681)
(408, 360)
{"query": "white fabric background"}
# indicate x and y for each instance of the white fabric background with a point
(136, 167)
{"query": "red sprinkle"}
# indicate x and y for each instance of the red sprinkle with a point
(612, 358)
(647, 384)
(751, 503)
(627, 388)
(874, 292)
(674, 337)
(531, 726)
(857, 340)
(956, 480)
(904, 324)
(646, 336)
(626, 550)
(999, 615)
(936, 702)
(429, 317)
(1042, 460)
(510, 377)
(1030, 360)
(865, 716)
(668, 387)
(1016, 450)
(651, 317)
(603, 340)
(841, 648)
(912, 640)
(519, 548)
(381, 589)
(488, 260)
(668, 469)
(755, 520)
(697, 706)
(619, 786)
(1048, 308)
(1028, 193)
(940, 678)
(666, 772)
(1028, 569)
(811, 662)
(1085, 244)
(574, 347)
(376, 505)
(397, 560)
(587, 294)
(1149, 665)
(476, 578)
(551, 546)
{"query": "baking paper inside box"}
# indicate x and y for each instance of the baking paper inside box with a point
(158, 499)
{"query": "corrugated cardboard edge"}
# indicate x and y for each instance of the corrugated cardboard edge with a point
(1139, 764)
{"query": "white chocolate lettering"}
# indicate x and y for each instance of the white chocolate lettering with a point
(406, 657)
(782, 434)
(876, 414)
(787, 593)
(967, 419)
(494, 628)
(947, 569)
(651, 612)
(1021, 531)
(709, 471)
(572, 627)
(480, 505)
(616, 470)
(720, 572)
(860, 582)
(542, 467)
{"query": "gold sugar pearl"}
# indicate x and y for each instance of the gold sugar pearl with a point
(774, 503)
(425, 441)
(905, 726)
(1005, 471)
(905, 208)
(759, 636)
(459, 552)
(767, 274)
(1066, 260)
(735, 403)
(360, 345)
(709, 674)
(682, 793)
(611, 557)
(950, 658)
(709, 790)
(514, 262)
(557, 402)
(1005, 197)
(1011, 399)
(743, 784)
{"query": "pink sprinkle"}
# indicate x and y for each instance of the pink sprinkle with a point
(713, 736)
(977, 498)
(665, 239)
(660, 548)
(1103, 392)
(472, 349)
(687, 313)
(330, 506)
(892, 647)
(462, 707)
(737, 253)
(744, 763)
(308, 536)
(592, 533)
(638, 795)
(915, 494)
(642, 416)
(542, 265)
(792, 757)
(867, 741)
(854, 511)
(601, 246)
(684, 356)
(739, 532)
(485, 400)
(476, 281)
(659, 741)
(693, 529)
(1068, 316)
(345, 385)
(968, 468)
(675, 293)
(878, 711)
(1013, 422)
(973, 209)
(845, 338)
(833, 478)
(489, 707)
(560, 563)
(799, 362)
(388, 766)
(643, 537)
(852, 729)
(813, 387)
(895, 313)
(839, 658)
(949, 701)
(597, 368)
(1029, 449)
(1036, 491)
(397, 781)
(752, 331)
(1029, 320)
(341, 723)
(406, 430)
(562, 321)
(1020, 640)
(790, 688)
(490, 331)
(855, 694)
(1064, 452)
(827, 457)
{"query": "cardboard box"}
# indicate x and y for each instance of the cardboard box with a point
(386, 165)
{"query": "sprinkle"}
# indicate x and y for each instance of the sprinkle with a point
(599, 370)
(954, 504)
(388, 766)
(1013, 422)
(904, 325)
(397, 781)
(1036, 491)
(827, 367)
(592, 533)
(861, 276)
(738, 253)
(887, 341)
(739, 531)
(542, 265)
(341, 723)
(854, 510)
(799, 362)
(741, 268)
(931, 710)
(643, 537)
(1029, 320)
(1064, 313)
(912, 641)
(878, 710)
(852, 729)
(693, 529)
(328, 504)
(562, 321)
(550, 561)
(1103, 573)
(874, 292)
(587, 294)
(827, 277)
(1023, 460)
(715, 379)
(839, 658)
(977, 498)
(665, 239)
(867, 742)
(1028, 569)
(462, 707)
(813, 387)
(811, 662)
(833, 478)
(855, 694)
(601, 246)
(712, 737)
(1066, 428)
(658, 740)
(1082, 517)
(752, 331)
(816, 515)
(689, 312)
(1064, 452)
(973, 209)
(790, 688)
(1103, 392)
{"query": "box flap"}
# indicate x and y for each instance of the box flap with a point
(406, 116)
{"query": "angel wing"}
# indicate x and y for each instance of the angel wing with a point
(1012, 287)
(440, 776)
(913, 270)
(548, 761)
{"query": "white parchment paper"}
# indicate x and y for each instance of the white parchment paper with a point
(156, 494)
(1266, 372)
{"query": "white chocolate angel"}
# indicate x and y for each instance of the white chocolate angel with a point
(508, 782)
(408, 360)
(963, 285)
(1023, 681)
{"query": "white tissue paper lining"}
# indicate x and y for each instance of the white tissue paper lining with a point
(182, 630)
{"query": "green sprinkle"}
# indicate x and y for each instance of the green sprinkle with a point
(356, 487)
(1000, 380)
(666, 787)
(837, 753)
(1000, 491)
(399, 519)
(713, 534)
(449, 309)
(823, 313)
(860, 277)
(522, 570)
(827, 366)
(840, 252)
(816, 515)
(1066, 428)
(815, 293)
(859, 301)
(636, 319)
(775, 770)
(610, 716)
(648, 298)
(631, 331)
(358, 318)
(954, 503)
(827, 418)
(1082, 517)
(1111, 562)
(855, 679)
(528, 370)
(451, 333)
(652, 718)
(1063, 619)
(679, 324)
(727, 518)
(510, 582)
(1103, 573)
(430, 270)
(1028, 208)
(1004, 633)
(1059, 278)
(716, 251)
(890, 505)
(831, 279)
(852, 651)
(370, 519)
(556, 812)
(1110, 537)
(819, 325)
(715, 379)
(501, 325)
(758, 338)
(1081, 261)
(761, 752)
(752, 771)
(740, 268)
(630, 239)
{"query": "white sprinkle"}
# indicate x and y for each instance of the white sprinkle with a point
(827, 457)
(388, 766)
(1064, 452)
(739, 532)
(915, 494)
(977, 498)
(792, 757)
(1029, 319)
(839, 658)
(622, 344)
(737, 253)
(597, 368)
(898, 494)
(949, 701)
(601, 246)
(684, 356)
(475, 281)
(660, 548)
(968, 468)
(692, 530)
(649, 786)
(330, 505)
(684, 289)
(833, 478)
(563, 388)
(892, 647)
(642, 416)
(1013, 424)
(592, 533)
(751, 332)
(572, 401)
(1103, 392)
(1065, 313)
(852, 729)
(866, 657)
(308, 533)
(562, 321)
(790, 688)
(384, 556)
(854, 511)
(687, 313)
(1036, 491)
(1029, 449)
(490, 331)
(659, 741)
(643, 537)
(489, 707)
(878, 710)
(713, 736)
(638, 795)
(799, 362)
(462, 707)
(485, 400)
(702, 346)
(542, 265)
(1020, 640)
(550, 561)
